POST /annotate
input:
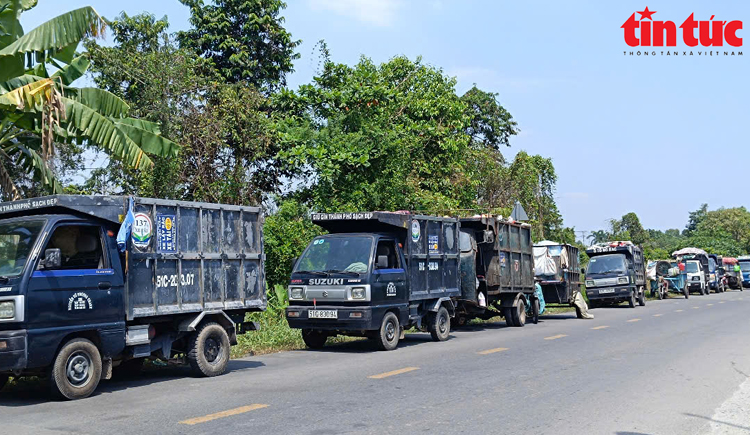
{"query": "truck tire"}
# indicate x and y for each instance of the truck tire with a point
(519, 313)
(389, 333)
(77, 369)
(702, 291)
(3, 380)
(535, 311)
(593, 304)
(642, 297)
(631, 301)
(440, 325)
(314, 339)
(686, 291)
(508, 314)
(208, 350)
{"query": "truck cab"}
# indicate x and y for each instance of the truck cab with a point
(696, 278)
(615, 274)
(56, 270)
(375, 283)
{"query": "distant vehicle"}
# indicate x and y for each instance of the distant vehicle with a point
(697, 269)
(745, 270)
(665, 276)
(556, 268)
(616, 273)
(730, 277)
(714, 274)
(74, 305)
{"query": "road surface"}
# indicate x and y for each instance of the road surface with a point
(672, 367)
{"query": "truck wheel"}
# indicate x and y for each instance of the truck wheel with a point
(642, 298)
(314, 339)
(508, 314)
(631, 301)
(535, 311)
(208, 352)
(519, 313)
(458, 321)
(593, 304)
(3, 380)
(440, 325)
(77, 369)
(129, 368)
(687, 292)
(702, 291)
(390, 332)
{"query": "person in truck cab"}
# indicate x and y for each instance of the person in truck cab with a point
(80, 247)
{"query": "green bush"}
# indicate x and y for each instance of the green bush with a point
(287, 233)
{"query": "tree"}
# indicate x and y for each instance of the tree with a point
(227, 131)
(39, 110)
(694, 219)
(245, 40)
(632, 225)
(383, 137)
(723, 231)
(491, 125)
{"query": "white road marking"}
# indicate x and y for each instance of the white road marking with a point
(733, 416)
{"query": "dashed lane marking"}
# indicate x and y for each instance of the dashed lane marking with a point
(394, 373)
(223, 414)
(678, 311)
(634, 320)
(489, 351)
(555, 337)
(658, 315)
(600, 327)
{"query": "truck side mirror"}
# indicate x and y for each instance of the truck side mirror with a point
(52, 259)
(583, 271)
(382, 262)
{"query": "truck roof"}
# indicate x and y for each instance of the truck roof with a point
(108, 207)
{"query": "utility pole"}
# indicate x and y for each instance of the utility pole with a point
(583, 235)
(539, 202)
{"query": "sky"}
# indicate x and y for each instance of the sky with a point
(655, 135)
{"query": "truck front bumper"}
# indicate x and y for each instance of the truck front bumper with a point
(13, 350)
(609, 294)
(347, 318)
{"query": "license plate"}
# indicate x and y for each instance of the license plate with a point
(323, 314)
(607, 290)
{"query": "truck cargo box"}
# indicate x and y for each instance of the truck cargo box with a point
(505, 258)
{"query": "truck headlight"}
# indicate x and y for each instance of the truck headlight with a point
(590, 283)
(7, 310)
(296, 293)
(358, 293)
(623, 280)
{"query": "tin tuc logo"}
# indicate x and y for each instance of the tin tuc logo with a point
(647, 32)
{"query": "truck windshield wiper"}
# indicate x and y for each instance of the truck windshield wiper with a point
(343, 271)
(314, 272)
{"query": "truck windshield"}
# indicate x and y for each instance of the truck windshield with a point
(337, 254)
(16, 241)
(692, 267)
(610, 263)
(745, 266)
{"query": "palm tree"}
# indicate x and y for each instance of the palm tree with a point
(38, 109)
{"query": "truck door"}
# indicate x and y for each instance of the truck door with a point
(389, 282)
(85, 292)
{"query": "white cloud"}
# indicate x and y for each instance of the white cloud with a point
(376, 12)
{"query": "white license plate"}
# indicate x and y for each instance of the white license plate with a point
(607, 290)
(323, 314)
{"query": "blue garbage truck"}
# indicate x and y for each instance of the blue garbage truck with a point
(92, 284)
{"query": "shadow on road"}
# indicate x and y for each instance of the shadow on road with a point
(37, 390)
(745, 428)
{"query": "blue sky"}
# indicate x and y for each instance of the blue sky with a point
(655, 135)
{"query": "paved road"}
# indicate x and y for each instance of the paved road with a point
(672, 367)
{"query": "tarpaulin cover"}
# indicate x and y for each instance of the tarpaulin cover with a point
(124, 234)
(689, 251)
(544, 264)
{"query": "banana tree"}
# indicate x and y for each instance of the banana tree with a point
(39, 110)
